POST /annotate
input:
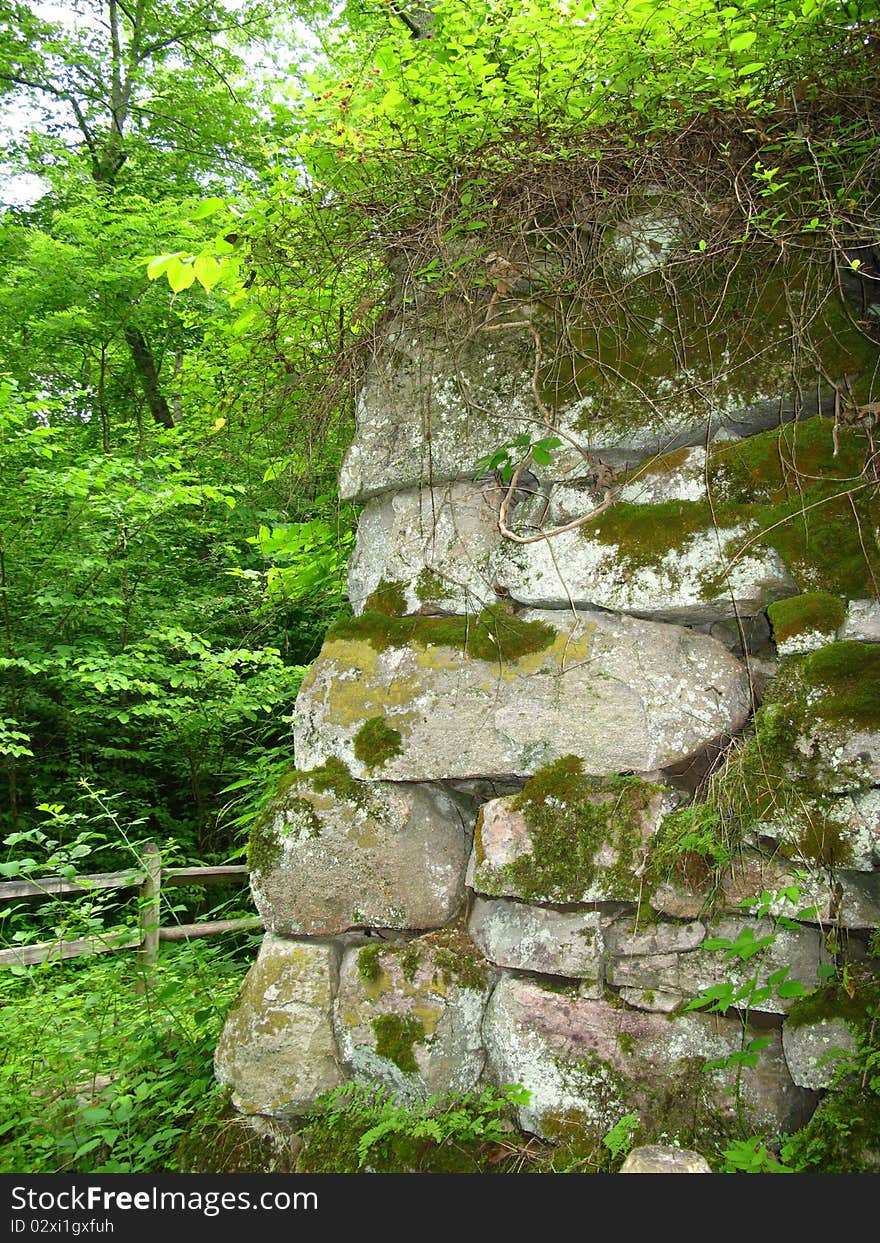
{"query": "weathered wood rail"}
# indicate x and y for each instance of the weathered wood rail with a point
(150, 878)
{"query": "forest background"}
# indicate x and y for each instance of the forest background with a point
(226, 192)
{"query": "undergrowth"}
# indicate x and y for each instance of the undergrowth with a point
(99, 1078)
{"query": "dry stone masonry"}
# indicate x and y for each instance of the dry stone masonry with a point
(540, 785)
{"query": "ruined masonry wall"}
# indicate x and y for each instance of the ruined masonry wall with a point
(475, 873)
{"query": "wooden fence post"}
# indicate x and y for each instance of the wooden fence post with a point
(149, 913)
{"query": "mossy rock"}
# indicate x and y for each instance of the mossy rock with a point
(802, 489)
(496, 634)
(813, 611)
(587, 835)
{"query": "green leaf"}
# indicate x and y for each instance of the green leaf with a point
(208, 207)
(739, 43)
(180, 275)
(207, 270)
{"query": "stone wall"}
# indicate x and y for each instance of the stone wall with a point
(498, 859)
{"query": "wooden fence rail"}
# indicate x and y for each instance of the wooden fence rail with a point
(150, 879)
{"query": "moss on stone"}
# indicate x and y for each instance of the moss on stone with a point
(368, 965)
(847, 677)
(388, 598)
(457, 959)
(773, 774)
(395, 1036)
(497, 634)
(790, 492)
(334, 777)
(570, 816)
(811, 611)
(854, 998)
(409, 963)
(645, 534)
(264, 847)
(429, 585)
(375, 743)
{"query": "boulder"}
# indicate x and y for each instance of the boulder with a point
(434, 543)
(277, 1050)
(862, 621)
(417, 699)
(329, 853)
(846, 898)
(568, 837)
(833, 832)
(532, 938)
(816, 1051)
(695, 581)
(586, 1063)
(444, 392)
(408, 1014)
(678, 965)
(662, 1159)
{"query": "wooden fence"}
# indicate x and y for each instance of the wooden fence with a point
(150, 879)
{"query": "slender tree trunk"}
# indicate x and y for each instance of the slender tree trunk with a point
(11, 773)
(102, 402)
(145, 364)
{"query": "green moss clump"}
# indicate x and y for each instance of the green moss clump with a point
(388, 599)
(429, 586)
(644, 534)
(264, 847)
(848, 676)
(457, 958)
(497, 634)
(814, 610)
(395, 1037)
(368, 964)
(823, 695)
(376, 743)
(333, 777)
(855, 1004)
(570, 816)
(409, 964)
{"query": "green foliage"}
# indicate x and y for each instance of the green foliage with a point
(619, 1139)
(751, 1156)
(98, 1078)
(363, 1128)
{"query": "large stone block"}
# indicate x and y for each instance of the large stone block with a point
(622, 694)
(532, 938)
(586, 1063)
(567, 837)
(330, 853)
(679, 965)
(277, 1050)
(408, 1015)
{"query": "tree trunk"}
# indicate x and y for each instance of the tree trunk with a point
(145, 365)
